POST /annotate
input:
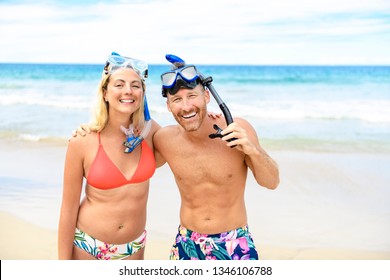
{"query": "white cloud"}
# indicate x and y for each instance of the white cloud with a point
(203, 31)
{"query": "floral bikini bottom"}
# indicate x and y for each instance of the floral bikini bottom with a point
(104, 251)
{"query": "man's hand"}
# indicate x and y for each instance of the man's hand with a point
(82, 130)
(238, 136)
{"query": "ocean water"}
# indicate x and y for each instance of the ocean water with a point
(327, 108)
(325, 199)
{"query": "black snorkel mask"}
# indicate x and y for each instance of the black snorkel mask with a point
(187, 76)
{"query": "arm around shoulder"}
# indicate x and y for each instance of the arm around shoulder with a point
(156, 130)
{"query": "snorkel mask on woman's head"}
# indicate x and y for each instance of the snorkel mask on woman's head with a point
(182, 76)
(116, 61)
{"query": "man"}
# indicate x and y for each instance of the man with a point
(210, 173)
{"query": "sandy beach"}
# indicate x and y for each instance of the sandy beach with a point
(329, 206)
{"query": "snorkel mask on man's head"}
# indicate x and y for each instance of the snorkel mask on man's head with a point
(181, 76)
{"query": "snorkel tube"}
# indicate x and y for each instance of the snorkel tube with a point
(133, 141)
(207, 82)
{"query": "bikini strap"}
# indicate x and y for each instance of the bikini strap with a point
(99, 138)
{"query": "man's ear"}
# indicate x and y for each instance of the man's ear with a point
(168, 107)
(207, 95)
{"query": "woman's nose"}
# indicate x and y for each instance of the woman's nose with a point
(128, 88)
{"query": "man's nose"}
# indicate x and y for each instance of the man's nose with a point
(186, 104)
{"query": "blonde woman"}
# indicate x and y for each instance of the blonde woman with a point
(109, 223)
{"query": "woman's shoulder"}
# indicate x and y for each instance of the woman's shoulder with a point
(82, 141)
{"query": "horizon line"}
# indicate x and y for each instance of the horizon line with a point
(209, 64)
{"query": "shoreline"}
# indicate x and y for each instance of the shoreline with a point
(329, 206)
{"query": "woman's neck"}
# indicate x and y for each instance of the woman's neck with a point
(114, 124)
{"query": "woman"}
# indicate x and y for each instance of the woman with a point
(109, 223)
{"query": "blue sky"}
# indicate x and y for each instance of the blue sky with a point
(200, 31)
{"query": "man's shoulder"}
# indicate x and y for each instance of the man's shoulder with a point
(169, 129)
(240, 120)
(243, 122)
(164, 133)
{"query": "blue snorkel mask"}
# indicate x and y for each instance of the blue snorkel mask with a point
(182, 76)
(187, 76)
(115, 62)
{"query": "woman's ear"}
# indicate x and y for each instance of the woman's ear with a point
(105, 95)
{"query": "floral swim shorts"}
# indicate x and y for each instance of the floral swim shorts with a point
(236, 244)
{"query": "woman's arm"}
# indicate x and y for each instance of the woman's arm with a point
(72, 186)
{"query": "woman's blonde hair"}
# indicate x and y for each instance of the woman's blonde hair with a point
(100, 118)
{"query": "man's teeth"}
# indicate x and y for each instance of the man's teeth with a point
(189, 116)
(126, 101)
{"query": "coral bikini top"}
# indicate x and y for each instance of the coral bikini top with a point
(104, 174)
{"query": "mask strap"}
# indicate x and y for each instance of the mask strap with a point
(133, 141)
(146, 109)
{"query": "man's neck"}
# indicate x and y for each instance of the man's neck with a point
(202, 132)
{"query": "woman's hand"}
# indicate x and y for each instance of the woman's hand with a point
(214, 115)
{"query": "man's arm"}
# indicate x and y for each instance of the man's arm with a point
(82, 130)
(264, 168)
(157, 138)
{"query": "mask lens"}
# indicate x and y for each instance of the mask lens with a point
(189, 73)
(140, 64)
(168, 79)
(117, 61)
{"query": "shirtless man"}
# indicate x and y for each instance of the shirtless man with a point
(210, 174)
